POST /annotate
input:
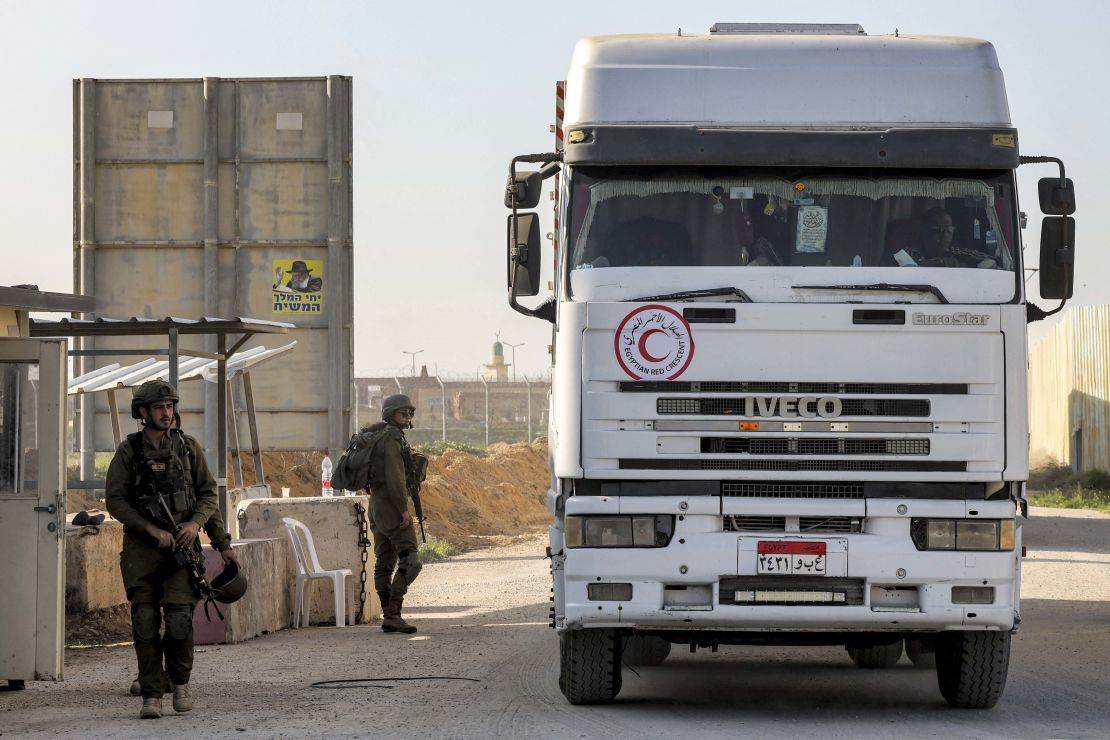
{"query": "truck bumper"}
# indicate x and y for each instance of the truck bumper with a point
(709, 581)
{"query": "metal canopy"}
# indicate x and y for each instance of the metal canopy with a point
(30, 298)
(138, 325)
(171, 327)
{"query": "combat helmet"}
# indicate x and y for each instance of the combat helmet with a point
(230, 585)
(150, 392)
(392, 404)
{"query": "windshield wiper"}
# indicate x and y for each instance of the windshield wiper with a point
(900, 287)
(686, 295)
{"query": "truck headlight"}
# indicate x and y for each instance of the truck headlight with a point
(642, 530)
(963, 534)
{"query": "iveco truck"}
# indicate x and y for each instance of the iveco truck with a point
(788, 318)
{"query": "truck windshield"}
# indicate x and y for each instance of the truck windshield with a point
(672, 217)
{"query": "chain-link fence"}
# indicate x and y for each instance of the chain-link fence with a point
(473, 412)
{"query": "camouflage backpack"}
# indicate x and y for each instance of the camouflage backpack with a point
(352, 472)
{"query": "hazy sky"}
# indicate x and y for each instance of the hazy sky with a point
(445, 93)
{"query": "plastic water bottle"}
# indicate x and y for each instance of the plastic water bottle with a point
(325, 476)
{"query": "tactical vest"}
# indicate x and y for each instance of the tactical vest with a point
(168, 471)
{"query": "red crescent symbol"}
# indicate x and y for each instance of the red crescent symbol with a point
(642, 346)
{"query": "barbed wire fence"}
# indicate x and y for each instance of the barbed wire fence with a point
(460, 409)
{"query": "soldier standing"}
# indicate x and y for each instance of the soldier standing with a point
(165, 460)
(395, 545)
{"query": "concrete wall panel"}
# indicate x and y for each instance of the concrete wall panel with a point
(127, 130)
(147, 203)
(286, 201)
(152, 283)
(260, 103)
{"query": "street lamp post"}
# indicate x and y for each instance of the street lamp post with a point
(513, 347)
(413, 354)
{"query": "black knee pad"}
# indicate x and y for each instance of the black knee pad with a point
(145, 620)
(179, 621)
(410, 565)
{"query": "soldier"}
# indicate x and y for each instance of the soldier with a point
(394, 535)
(160, 459)
(221, 541)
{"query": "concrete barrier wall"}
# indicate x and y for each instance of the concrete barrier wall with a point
(334, 523)
(266, 607)
(93, 579)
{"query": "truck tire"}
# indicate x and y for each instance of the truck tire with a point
(875, 656)
(971, 667)
(646, 650)
(590, 665)
(921, 653)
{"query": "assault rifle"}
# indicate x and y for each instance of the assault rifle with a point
(416, 473)
(190, 558)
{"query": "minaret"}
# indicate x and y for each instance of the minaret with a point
(497, 369)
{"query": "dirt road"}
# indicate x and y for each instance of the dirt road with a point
(482, 616)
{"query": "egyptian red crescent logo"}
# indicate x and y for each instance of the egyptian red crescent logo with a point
(654, 343)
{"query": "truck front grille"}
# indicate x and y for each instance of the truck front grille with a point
(795, 466)
(814, 446)
(793, 490)
(804, 525)
(849, 406)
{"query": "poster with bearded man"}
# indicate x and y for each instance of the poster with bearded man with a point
(298, 286)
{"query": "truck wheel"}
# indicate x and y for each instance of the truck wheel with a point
(590, 666)
(644, 650)
(971, 667)
(921, 653)
(875, 656)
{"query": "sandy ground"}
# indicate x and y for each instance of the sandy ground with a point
(483, 616)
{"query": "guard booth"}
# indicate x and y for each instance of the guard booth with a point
(32, 487)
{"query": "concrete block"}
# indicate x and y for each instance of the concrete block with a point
(334, 523)
(266, 607)
(93, 579)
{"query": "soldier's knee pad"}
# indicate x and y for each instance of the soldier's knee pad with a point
(410, 565)
(179, 621)
(145, 623)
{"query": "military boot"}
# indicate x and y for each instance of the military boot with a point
(152, 708)
(383, 598)
(182, 698)
(391, 618)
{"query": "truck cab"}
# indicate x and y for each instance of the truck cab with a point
(789, 349)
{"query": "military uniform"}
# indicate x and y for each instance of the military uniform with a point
(152, 578)
(395, 546)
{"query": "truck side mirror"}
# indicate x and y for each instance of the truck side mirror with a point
(527, 186)
(1057, 256)
(1056, 200)
(524, 256)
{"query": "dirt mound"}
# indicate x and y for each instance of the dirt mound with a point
(467, 497)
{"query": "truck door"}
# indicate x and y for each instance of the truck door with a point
(32, 508)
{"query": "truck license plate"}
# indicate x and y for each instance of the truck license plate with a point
(791, 558)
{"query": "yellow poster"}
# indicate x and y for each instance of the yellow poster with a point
(298, 286)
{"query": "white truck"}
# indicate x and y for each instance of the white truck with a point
(789, 349)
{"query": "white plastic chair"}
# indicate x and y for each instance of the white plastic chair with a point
(308, 568)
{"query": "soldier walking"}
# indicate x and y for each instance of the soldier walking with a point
(397, 554)
(161, 459)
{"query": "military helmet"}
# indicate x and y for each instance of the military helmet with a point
(230, 585)
(150, 392)
(392, 404)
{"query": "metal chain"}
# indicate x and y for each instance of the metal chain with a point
(364, 543)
